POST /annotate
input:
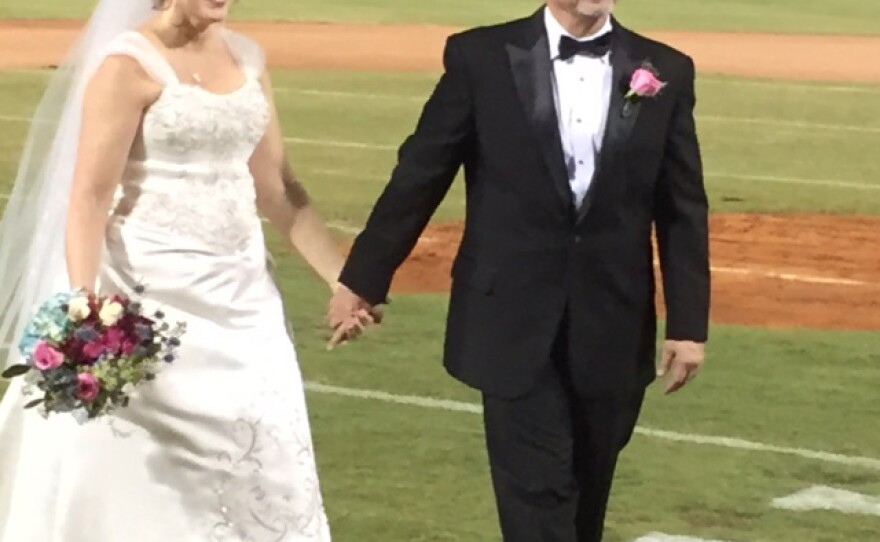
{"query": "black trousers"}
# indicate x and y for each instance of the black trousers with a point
(553, 454)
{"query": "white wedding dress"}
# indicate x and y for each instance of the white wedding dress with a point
(218, 448)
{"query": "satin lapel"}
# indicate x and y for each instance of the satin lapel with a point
(622, 116)
(532, 72)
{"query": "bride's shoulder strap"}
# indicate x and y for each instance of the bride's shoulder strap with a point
(137, 46)
(248, 52)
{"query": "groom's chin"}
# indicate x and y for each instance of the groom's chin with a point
(595, 8)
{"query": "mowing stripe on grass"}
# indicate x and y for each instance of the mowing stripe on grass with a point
(704, 440)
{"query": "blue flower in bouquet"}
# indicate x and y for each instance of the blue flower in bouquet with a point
(28, 344)
(50, 323)
(51, 319)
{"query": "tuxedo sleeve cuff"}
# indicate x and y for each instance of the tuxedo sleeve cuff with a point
(696, 330)
(365, 275)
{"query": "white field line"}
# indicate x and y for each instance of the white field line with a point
(338, 226)
(800, 125)
(791, 277)
(340, 144)
(796, 180)
(359, 95)
(690, 438)
(712, 79)
(709, 174)
(744, 271)
(829, 498)
(660, 537)
(348, 174)
(790, 85)
(344, 228)
(708, 118)
(397, 98)
(356, 145)
(807, 125)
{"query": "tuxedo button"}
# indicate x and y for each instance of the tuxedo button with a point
(577, 239)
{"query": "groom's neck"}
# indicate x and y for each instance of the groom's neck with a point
(576, 24)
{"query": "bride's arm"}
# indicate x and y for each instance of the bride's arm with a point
(284, 201)
(113, 104)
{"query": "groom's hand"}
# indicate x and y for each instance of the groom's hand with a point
(681, 361)
(348, 315)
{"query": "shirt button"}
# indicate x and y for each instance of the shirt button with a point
(580, 162)
(579, 121)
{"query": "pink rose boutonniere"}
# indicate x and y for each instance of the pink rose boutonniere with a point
(645, 83)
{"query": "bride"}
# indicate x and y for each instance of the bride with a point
(153, 149)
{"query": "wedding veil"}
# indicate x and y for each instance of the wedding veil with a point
(32, 259)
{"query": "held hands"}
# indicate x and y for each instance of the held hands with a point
(680, 362)
(348, 316)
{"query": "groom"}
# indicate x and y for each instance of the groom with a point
(552, 310)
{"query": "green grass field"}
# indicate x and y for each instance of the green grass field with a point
(768, 146)
(810, 16)
(807, 389)
(404, 473)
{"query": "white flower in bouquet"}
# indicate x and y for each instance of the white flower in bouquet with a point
(111, 313)
(78, 309)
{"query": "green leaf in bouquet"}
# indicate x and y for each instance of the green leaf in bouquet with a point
(15, 371)
(34, 403)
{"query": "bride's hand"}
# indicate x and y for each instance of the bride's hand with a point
(351, 327)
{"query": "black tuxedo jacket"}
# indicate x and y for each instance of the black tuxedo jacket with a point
(530, 262)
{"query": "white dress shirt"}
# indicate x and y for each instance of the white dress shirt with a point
(582, 87)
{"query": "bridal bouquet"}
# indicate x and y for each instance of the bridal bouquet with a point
(85, 354)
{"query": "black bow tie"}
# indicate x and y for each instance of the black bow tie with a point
(599, 47)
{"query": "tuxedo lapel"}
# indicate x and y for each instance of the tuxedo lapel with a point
(532, 70)
(622, 114)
